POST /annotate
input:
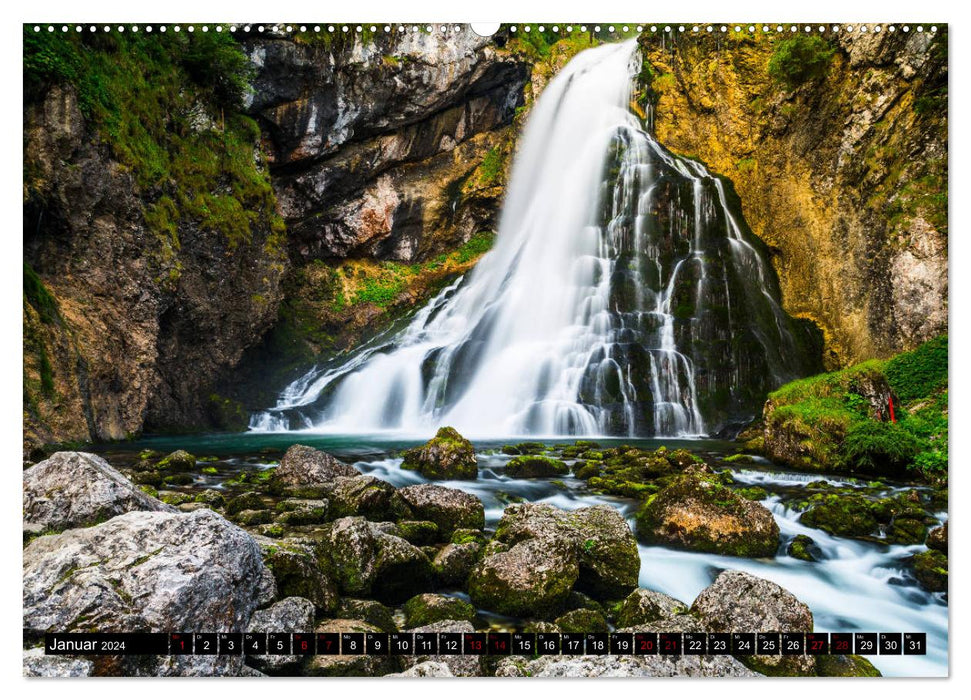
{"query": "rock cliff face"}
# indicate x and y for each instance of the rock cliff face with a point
(374, 149)
(842, 171)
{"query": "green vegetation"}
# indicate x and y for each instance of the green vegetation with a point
(492, 167)
(800, 59)
(39, 297)
(840, 420)
(168, 106)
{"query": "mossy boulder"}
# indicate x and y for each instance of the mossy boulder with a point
(177, 479)
(844, 515)
(303, 466)
(448, 455)
(805, 548)
(302, 511)
(252, 517)
(419, 532)
(344, 665)
(449, 509)
(535, 466)
(531, 578)
(249, 500)
(428, 608)
(642, 607)
(299, 570)
(467, 535)
(696, 512)
(937, 539)
(930, 569)
(587, 470)
(369, 611)
(178, 461)
(582, 620)
(454, 562)
(367, 496)
(605, 548)
(845, 666)
(174, 498)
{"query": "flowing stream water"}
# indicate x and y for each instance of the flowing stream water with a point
(623, 296)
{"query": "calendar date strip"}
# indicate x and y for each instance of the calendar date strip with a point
(487, 643)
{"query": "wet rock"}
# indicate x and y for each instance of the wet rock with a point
(930, 569)
(253, 517)
(211, 498)
(148, 571)
(178, 461)
(448, 455)
(419, 532)
(305, 466)
(644, 607)
(582, 620)
(605, 549)
(453, 563)
(844, 515)
(369, 611)
(533, 577)
(302, 511)
(463, 666)
(288, 615)
(426, 669)
(368, 561)
(300, 572)
(450, 509)
(805, 548)
(623, 667)
(249, 500)
(428, 608)
(39, 665)
(348, 664)
(937, 539)
(845, 666)
(698, 513)
(535, 466)
(740, 601)
(77, 489)
(366, 496)
(174, 498)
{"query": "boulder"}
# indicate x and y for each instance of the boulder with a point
(421, 533)
(643, 607)
(249, 500)
(148, 571)
(805, 548)
(937, 539)
(623, 667)
(535, 466)
(531, 578)
(462, 666)
(369, 561)
(605, 549)
(448, 455)
(454, 562)
(931, 569)
(739, 601)
(366, 496)
(304, 466)
(369, 611)
(427, 608)
(841, 514)
(582, 620)
(37, 664)
(78, 489)
(302, 511)
(178, 461)
(845, 666)
(698, 513)
(450, 509)
(350, 664)
(288, 615)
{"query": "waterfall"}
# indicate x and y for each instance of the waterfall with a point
(623, 296)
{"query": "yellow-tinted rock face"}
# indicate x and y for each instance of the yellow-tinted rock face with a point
(842, 172)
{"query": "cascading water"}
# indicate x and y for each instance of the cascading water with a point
(623, 297)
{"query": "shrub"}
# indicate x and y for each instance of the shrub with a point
(920, 372)
(800, 59)
(879, 447)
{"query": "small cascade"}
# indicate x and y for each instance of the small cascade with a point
(624, 296)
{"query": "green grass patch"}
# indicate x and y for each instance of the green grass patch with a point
(800, 59)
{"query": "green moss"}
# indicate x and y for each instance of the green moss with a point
(800, 59)
(475, 247)
(39, 297)
(169, 107)
(533, 466)
(492, 167)
(921, 372)
(849, 666)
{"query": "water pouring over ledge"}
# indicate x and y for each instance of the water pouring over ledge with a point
(624, 296)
